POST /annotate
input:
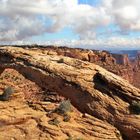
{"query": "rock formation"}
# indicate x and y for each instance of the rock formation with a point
(136, 69)
(90, 88)
(138, 59)
(101, 58)
(122, 59)
(115, 63)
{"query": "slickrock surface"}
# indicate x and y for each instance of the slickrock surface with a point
(90, 88)
(117, 64)
(21, 122)
(24, 117)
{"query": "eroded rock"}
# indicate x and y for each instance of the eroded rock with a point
(90, 88)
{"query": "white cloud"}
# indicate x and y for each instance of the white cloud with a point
(125, 13)
(119, 43)
(22, 17)
(112, 42)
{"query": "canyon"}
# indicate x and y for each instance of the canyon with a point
(42, 78)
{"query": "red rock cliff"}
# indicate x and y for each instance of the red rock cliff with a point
(122, 59)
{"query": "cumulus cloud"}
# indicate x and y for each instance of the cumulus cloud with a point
(124, 13)
(23, 19)
(109, 43)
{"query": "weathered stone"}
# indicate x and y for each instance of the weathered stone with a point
(90, 88)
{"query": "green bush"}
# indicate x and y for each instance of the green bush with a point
(64, 107)
(71, 138)
(135, 107)
(54, 122)
(6, 94)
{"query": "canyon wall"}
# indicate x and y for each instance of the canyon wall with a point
(121, 59)
(136, 70)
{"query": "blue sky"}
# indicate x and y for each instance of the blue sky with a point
(101, 23)
(90, 2)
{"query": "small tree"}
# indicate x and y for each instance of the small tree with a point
(54, 121)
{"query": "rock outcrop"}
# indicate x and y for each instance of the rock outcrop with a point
(91, 89)
(136, 69)
(22, 121)
(115, 63)
(138, 60)
(122, 59)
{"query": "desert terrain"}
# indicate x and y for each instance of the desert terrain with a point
(60, 93)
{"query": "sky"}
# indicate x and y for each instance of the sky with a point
(96, 24)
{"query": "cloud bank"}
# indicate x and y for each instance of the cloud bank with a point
(124, 13)
(21, 20)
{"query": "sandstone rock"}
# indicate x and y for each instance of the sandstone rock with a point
(118, 64)
(91, 89)
(18, 120)
(122, 59)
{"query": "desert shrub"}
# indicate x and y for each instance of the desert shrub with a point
(72, 138)
(67, 118)
(6, 94)
(6, 76)
(8, 90)
(54, 122)
(61, 60)
(64, 107)
(135, 107)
